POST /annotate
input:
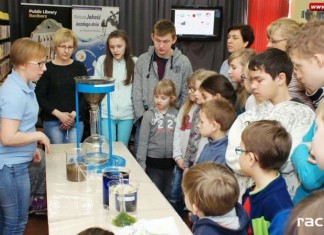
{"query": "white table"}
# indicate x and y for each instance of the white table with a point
(75, 206)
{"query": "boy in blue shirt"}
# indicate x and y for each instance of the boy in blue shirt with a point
(215, 119)
(265, 147)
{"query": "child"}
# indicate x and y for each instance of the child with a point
(162, 60)
(211, 192)
(213, 87)
(156, 136)
(306, 50)
(193, 148)
(237, 61)
(254, 98)
(270, 73)
(317, 147)
(264, 149)
(215, 119)
(308, 160)
(181, 138)
(278, 33)
(217, 86)
(184, 119)
(119, 64)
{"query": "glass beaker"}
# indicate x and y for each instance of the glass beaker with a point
(127, 190)
(109, 174)
(97, 150)
(75, 165)
(123, 201)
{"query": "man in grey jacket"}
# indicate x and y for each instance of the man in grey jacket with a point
(161, 61)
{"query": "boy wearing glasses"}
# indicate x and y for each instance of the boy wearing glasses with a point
(270, 74)
(265, 147)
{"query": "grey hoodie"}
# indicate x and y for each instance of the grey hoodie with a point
(177, 69)
(156, 135)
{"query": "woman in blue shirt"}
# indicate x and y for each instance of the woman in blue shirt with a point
(18, 135)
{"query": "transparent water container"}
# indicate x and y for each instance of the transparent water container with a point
(97, 150)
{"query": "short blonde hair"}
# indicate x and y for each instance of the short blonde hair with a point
(221, 111)
(211, 187)
(63, 35)
(308, 40)
(24, 50)
(166, 87)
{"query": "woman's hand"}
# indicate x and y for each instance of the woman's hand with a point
(37, 157)
(44, 140)
(67, 119)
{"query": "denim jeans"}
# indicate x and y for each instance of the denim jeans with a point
(58, 136)
(120, 130)
(14, 198)
(176, 198)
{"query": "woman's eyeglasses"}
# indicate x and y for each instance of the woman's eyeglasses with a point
(40, 64)
(274, 41)
(66, 47)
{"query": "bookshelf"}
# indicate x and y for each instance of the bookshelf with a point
(4, 45)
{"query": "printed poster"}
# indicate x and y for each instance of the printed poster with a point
(40, 21)
(92, 25)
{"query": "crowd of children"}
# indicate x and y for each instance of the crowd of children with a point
(241, 151)
(262, 157)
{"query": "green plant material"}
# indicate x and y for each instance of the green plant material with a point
(123, 219)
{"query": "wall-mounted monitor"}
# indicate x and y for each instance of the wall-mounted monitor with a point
(197, 22)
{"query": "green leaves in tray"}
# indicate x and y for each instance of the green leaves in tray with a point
(123, 219)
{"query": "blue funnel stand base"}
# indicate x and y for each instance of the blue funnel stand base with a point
(114, 160)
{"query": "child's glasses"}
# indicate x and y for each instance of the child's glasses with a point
(239, 150)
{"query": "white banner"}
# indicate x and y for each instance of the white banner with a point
(92, 25)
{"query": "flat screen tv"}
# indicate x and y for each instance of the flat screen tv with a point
(197, 22)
